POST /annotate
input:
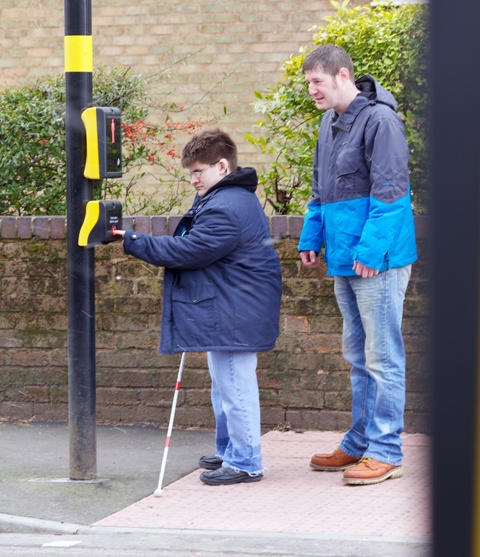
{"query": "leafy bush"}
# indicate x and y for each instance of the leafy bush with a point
(32, 142)
(389, 42)
(156, 145)
(32, 146)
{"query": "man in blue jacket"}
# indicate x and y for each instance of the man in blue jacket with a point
(360, 212)
(222, 291)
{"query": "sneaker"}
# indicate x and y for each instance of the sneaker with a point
(210, 462)
(333, 462)
(370, 471)
(228, 476)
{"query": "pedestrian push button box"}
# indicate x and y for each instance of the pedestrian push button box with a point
(101, 220)
(103, 127)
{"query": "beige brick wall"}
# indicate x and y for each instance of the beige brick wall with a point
(207, 54)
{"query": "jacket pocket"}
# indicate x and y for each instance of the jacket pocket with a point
(352, 175)
(349, 161)
(344, 223)
(350, 217)
(195, 316)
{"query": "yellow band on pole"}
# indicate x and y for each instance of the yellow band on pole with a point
(78, 53)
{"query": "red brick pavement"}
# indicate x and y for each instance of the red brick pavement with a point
(293, 498)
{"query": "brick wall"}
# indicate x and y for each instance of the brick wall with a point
(304, 382)
(207, 54)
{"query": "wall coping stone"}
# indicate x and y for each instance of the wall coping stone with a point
(55, 227)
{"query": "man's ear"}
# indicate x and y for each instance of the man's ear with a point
(224, 166)
(344, 75)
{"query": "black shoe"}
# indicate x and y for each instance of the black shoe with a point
(228, 476)
(210, 462)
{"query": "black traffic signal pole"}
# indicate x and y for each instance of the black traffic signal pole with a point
(455, 277)
(81, 289)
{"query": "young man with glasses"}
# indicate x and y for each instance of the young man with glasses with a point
(221, 295)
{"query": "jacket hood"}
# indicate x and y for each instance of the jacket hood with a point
(242, 177)
(373, 91)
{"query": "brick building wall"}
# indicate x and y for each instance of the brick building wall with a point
(209, 55)
(304, 381)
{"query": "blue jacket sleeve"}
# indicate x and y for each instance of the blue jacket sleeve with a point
(215, 234)
(311, 238)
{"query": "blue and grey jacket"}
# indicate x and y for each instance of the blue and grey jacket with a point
(360, 207)
(222, 282)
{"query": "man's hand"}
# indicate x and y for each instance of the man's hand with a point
(364, 271)
(116, 232)
(309, 259)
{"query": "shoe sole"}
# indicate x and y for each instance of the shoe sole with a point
(392, 475)
(332, 468)
(246, 479)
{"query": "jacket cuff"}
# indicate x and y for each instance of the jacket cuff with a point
(129, 237)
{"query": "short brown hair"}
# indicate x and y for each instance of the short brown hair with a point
(209, 146)
(330, 59)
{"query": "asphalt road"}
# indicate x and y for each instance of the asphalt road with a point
(34, 465)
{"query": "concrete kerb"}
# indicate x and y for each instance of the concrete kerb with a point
(243, 543)
(182, 542)
(12, 523)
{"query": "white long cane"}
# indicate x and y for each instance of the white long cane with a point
(158, 491)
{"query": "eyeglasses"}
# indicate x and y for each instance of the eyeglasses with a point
(197, 173)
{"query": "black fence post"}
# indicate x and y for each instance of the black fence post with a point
(455, 277)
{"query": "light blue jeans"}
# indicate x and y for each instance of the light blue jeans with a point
(372, 310)
(236, 405)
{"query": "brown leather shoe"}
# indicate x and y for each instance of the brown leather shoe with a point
(333, 462)
(370, 471)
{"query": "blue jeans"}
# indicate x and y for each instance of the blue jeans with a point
(372, 310)
(236, 405)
